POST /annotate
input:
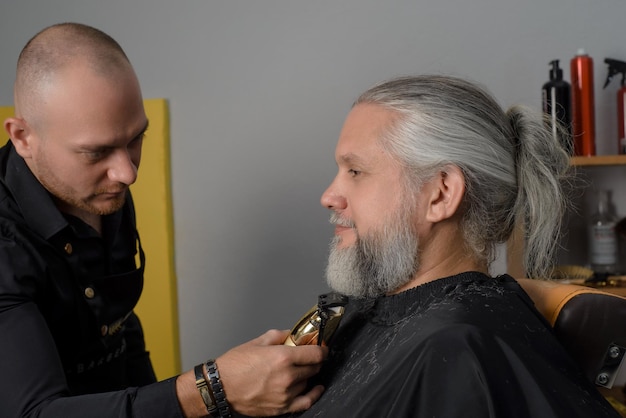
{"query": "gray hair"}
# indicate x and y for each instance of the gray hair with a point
(514, 168)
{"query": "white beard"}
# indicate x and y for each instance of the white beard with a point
(377, 263)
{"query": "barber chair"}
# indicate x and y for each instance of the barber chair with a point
(590, 323)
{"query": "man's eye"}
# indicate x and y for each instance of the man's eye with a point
(137, 140)
(96, 155)
(353, 173)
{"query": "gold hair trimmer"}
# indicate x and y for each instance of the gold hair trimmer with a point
(318, 325)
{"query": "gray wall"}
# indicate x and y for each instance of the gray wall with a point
(258, 91)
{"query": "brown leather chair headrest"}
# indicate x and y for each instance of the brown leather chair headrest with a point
(590, 323)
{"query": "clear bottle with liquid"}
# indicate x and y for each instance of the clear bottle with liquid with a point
(602, 235)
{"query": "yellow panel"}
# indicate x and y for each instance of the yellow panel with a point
(5, 112)
(157, 308)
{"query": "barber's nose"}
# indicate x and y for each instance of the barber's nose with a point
(124, 168)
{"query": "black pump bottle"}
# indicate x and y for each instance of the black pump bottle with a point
(556, 97)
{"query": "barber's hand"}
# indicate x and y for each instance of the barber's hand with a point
(263, 377)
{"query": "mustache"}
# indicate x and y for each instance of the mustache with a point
(121, 188)
(336, 219)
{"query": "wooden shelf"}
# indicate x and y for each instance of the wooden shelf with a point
(599, 160)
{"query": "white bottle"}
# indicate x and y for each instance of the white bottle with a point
(602, 235)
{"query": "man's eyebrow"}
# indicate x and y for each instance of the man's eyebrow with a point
(96, 146)
(350, 158)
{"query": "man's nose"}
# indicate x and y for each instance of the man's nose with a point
(123, 168)
(332, 198)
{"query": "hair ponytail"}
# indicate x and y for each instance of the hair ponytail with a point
(541, 166)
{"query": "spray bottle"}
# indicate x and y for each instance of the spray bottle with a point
(617, 67)
(556, 103)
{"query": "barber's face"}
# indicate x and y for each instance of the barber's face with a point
(86, 146)
(374, 250)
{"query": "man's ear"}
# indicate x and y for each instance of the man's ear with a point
(20, 134)
(446, 191)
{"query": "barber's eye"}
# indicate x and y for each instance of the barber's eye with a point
(95, 155)
(137, 140)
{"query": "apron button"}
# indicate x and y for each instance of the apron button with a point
(68, 248)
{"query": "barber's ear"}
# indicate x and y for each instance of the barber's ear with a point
(20, 134)
(446, 193)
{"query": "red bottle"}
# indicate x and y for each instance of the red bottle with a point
(583, 113)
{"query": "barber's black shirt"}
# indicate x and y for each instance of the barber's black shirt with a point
(67, 294)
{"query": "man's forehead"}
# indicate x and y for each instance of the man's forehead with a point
(361, 149)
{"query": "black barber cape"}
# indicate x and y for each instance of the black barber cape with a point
(67, 327)
(462, 346)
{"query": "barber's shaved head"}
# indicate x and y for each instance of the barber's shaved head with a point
(54, 49)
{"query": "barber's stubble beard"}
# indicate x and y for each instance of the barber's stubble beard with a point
(69, 198)
(377, 263)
